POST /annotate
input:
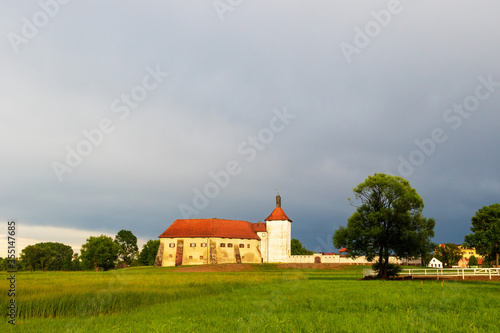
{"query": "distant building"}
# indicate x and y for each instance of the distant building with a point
(468, 252)
(435, 263)
(463, 263)
(217, 241)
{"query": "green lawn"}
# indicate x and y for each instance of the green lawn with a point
(264, 300)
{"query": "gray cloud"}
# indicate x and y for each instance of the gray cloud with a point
(225, 79)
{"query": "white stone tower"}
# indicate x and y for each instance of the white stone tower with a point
(279, 234)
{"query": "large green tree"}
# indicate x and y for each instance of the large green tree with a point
(148, 254)
(4, 264)
(128, 245)
(100, 252)
(298, 248)
(29, 255)
(485, 237)
(62, 255)
(388, 221)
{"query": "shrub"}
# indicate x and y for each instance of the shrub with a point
(392, 270)
(472, 261)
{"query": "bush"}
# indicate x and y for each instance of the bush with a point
(472, 261)
(392, 270)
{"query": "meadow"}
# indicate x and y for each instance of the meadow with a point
(263, 299)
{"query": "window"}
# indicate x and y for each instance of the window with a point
(170, 256)
(201, 257)
(171, 245)
(190, 257)
(192, 244)
(243, 257)
(248, 246)
(222, 245)
(242, 246)
(203, 245)
(229, 244)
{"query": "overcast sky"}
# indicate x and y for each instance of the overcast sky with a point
(132, 114)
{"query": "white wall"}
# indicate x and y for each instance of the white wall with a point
(263, 245)
(279, 238)
(336, 259)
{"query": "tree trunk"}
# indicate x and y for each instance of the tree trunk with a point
(386, 262)
(96, 267)
(380, 262)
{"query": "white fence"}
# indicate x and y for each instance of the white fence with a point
(442, 272)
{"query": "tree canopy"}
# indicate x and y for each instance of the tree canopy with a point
(449, 254)
(128, 245)
(388, 221)
(148, 254)
(47, 256)
(485, 236)
(100, 252)
(298, 249)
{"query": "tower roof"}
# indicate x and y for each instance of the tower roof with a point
(278, 214)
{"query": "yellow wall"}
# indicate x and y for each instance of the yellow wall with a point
(199, 254)
(468, 252)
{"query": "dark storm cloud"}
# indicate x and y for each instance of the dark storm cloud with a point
(225, 79)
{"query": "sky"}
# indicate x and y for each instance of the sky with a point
(131, 114)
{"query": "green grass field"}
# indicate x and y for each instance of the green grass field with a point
(266, 299)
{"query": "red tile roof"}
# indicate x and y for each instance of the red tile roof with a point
(259, 227)
(278, 215)
(213, 228)
(343, 249)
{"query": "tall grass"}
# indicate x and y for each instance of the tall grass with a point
(59, 294)
(267, 300)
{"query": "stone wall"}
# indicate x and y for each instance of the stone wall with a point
(203, 251)
(337, 259)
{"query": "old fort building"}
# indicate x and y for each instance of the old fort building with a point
(219, 241)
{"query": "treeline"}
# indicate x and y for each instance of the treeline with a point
(98, 253)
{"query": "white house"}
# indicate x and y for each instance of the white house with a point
(435, 263)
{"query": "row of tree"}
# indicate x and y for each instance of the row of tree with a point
(100, 252)
(389, 221)
(104, 252)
